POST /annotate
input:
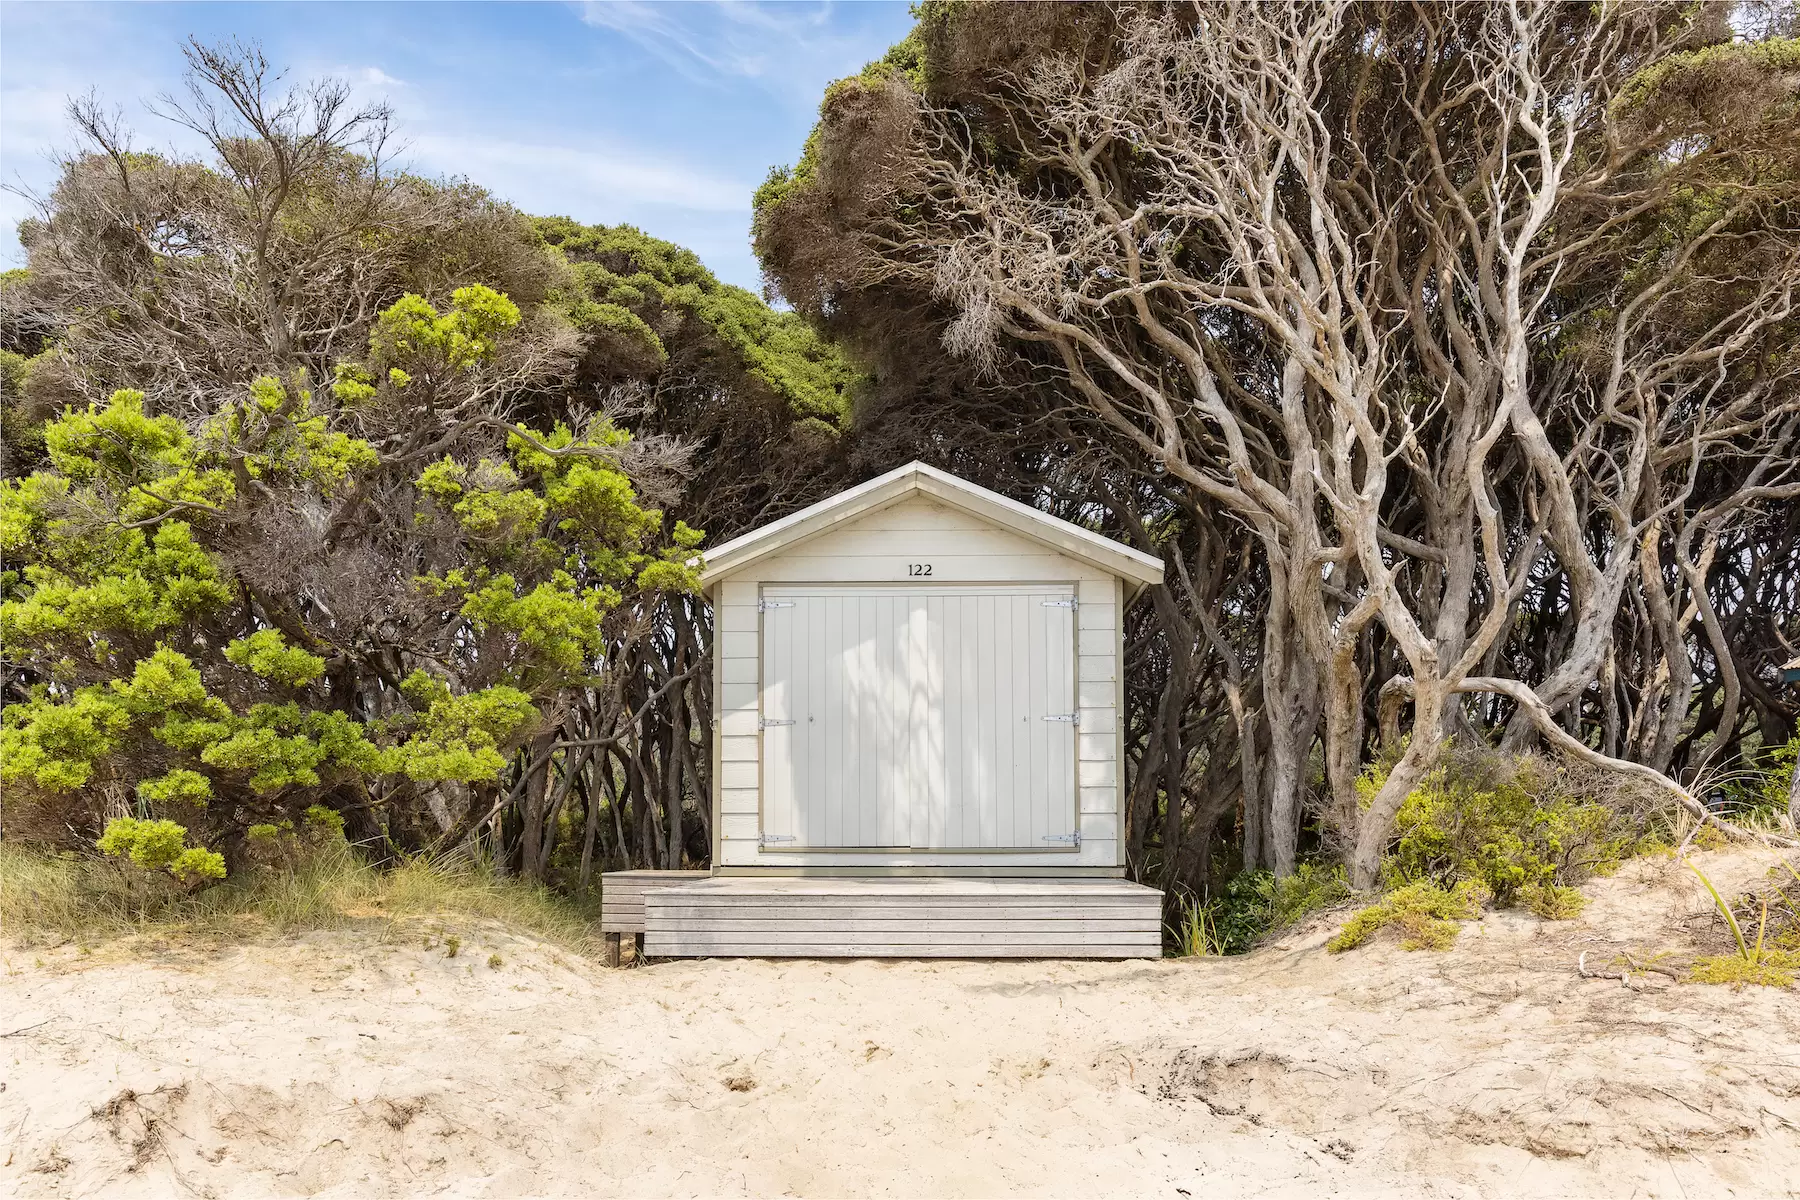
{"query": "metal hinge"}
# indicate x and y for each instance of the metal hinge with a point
(766, 605)
(1073, 718)
(1062, 604)
(765, 722)
(1065, 837)
(766, 838)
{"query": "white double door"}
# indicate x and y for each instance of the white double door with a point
(939, 718)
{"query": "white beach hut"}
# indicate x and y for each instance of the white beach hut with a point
(918, 689)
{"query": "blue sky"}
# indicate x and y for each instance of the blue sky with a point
(663, 115)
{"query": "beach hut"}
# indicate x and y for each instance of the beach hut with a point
(918, 687)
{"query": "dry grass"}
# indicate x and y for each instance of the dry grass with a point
(47, 898)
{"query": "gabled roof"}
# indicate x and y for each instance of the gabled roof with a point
(916, 478)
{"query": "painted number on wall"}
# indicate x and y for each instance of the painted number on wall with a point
(918, 568)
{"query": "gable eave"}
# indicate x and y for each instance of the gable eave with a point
(917, 478)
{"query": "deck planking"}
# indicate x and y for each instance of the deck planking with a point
(903, 918)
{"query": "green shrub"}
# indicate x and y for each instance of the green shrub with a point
(1425, 913)
(324, 823)
(1525, 829)
(1255, 904)
(1554, 902)
(159, 846)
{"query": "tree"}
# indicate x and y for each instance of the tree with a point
(1407, 291)
(359, 487)
(228, 627)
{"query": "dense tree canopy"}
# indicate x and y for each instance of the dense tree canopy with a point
(340, 495)
(1470, 327)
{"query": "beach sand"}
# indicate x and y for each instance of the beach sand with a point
(365, 1063)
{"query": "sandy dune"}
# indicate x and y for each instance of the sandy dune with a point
(345, 1065)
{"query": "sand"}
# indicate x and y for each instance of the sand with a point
(349, 1064)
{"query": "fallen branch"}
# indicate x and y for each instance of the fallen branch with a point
(1568, 743)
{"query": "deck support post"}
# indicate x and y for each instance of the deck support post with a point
(612, 949)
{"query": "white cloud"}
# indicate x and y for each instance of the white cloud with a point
(791, 50)
(578, 179)
(369, 77)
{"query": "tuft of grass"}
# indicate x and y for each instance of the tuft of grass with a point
(1754, 963)
(80, 898)
(1252, 906)
(1554, 902)
(1425, 913)
(1196, 930)
(1772, 968)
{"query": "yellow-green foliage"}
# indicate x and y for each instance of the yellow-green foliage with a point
(1554, 902)
(1513, 825)
(116, 591)
(1310, 888)
(1424, 912)
(456, 737)
(467, 335)
(267, 654)
(160, 846)
(324, 822)
(1772, 968)
(1679, 74)
(180, 786)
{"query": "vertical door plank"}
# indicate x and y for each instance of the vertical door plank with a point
(987, 749)
(778, 780)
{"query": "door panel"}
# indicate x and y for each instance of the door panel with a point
(917, 718)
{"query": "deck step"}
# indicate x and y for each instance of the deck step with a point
(622, 895)
(903, 918)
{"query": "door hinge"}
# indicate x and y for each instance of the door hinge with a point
(1062, 604)
(1073, 718)
(765, 722)
(766, 605)
(766, 838)
(1074, 838)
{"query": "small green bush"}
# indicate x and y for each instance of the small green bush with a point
(159, 846)
(1554, 902)
(1255, 904)
(1425, 913)
(1770, 968)
(1525, 829)
(325, 823)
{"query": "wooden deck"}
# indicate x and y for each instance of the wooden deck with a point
(903, 918)
(622, 896)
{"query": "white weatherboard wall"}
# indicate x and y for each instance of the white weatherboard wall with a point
(955, 770)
